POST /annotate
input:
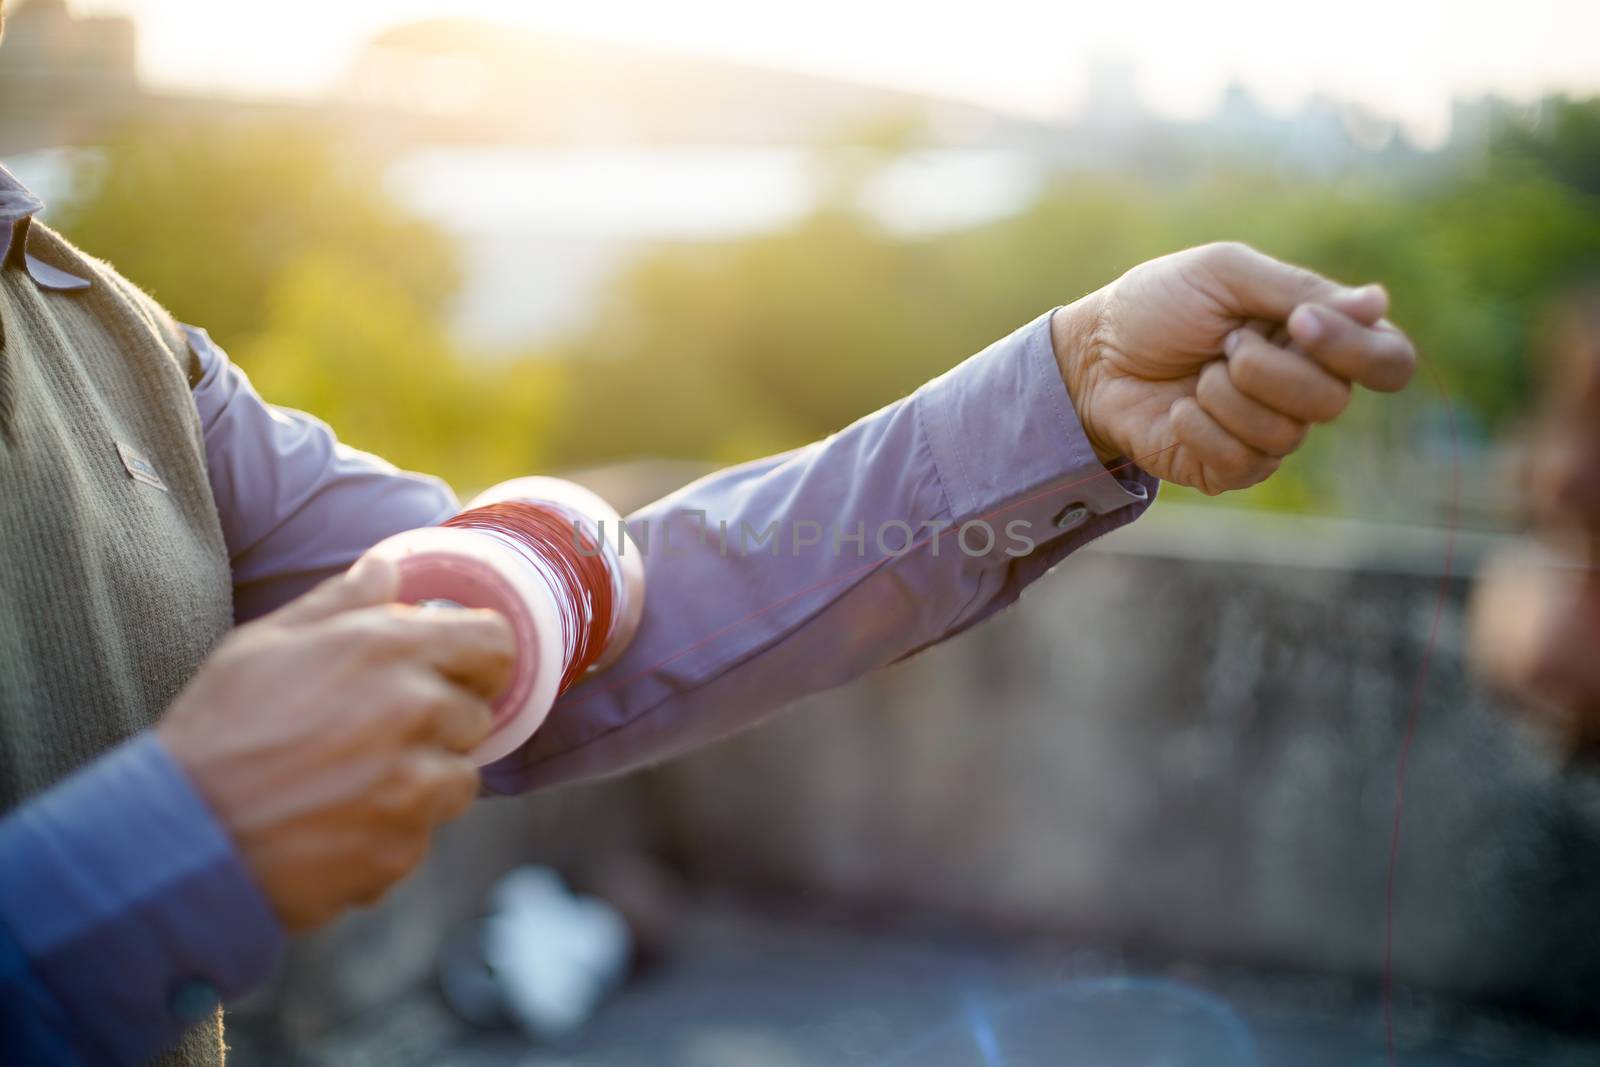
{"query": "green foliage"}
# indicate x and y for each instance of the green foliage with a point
(1563, 141)
(730, 350)
(345, 343)
(288, 249)
(207, 217)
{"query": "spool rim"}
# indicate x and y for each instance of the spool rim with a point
(498, 580)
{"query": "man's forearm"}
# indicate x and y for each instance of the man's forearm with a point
(801, 572)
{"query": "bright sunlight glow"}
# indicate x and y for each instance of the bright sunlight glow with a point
(1402, 58)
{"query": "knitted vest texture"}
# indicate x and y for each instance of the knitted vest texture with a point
(112, 588)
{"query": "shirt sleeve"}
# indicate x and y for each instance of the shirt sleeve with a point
(297, 505)
(797, 573)
(125, 914)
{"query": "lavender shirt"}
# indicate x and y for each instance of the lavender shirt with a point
(923, 518)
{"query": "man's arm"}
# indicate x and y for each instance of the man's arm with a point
(995, 442)
(740, 624)
(1205, 367)
(900, 531)
(297, 505)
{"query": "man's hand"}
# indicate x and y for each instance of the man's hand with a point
(329, 736)
(1185, 364)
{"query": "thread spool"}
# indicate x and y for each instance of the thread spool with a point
(514, 550)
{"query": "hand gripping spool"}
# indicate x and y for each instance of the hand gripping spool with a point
(556, 561)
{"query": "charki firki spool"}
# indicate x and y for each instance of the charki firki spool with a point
(554, 559)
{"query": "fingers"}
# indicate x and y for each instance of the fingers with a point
(1340, 327)
(476, 649)
(473, 648)
(1252, 422)
(372, 581)
(1365, 305)
(1254, 408)
(426, 789)
(1225, 461)
(454, 718)
(1286, 382)
(1377, 356)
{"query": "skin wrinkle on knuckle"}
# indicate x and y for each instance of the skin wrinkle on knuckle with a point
(1309, 283)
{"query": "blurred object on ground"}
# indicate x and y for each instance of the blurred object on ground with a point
(550, 957)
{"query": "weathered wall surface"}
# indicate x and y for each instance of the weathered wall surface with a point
(1189, 740)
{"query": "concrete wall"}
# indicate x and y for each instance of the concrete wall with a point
(1189, 739)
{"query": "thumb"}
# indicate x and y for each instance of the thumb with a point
(1367, 305)
(372, 581)
(1267, 288)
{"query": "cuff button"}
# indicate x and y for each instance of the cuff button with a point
(1137, 490)
(1072, 516)
(193, 1001)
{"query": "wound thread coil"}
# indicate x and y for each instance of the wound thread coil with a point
(535, 550)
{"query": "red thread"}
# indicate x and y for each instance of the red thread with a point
(565, 548)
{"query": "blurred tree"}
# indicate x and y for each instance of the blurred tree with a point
(734, 349)
(206, 217)
(286, 248)
(347, 344)
(1563, 142)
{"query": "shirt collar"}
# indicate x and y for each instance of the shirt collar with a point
(17, 208)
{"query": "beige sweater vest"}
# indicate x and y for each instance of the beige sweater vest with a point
(112, 590)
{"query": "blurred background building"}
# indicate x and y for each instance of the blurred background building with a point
(482, 249)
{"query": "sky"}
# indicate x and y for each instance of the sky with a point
(1404, 59)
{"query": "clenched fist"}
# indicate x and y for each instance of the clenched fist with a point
(330, 737)
(1208, 366)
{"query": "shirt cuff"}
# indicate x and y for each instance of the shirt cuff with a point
(1009, 447)
(131, 903)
